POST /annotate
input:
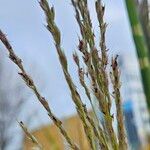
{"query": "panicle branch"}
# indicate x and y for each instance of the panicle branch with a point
(115, 77)
(30, 136)
(30, 83)
(81, 108)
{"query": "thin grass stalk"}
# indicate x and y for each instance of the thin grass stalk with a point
(115, 76)
(100, 9)
(30, 136)
(30, 83)
(96, 70)
(81, 108)
(99, 133)
(81, 74)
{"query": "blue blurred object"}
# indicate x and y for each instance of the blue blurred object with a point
(132, 133)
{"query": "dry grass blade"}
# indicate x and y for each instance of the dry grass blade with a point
(30, 136)
(96, 126)
(115, 76)
(96, 65)
(81, 108)
(29, 82)
(100, 9)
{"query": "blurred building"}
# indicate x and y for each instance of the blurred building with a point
(132, 132)
(135, 111)
(51, 139)
(135, 108)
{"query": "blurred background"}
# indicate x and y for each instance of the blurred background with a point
(24, 23)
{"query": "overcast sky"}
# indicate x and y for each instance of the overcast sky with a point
(23, 22)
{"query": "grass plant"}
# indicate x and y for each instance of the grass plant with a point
(96, 63)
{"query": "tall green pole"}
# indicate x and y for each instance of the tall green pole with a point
(141, 47)
(143, 9)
